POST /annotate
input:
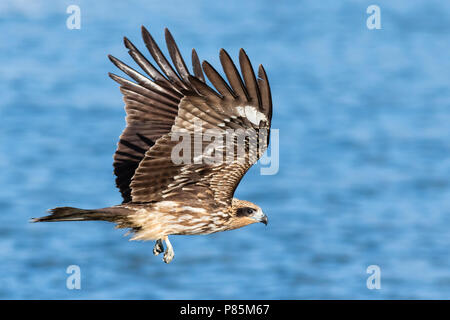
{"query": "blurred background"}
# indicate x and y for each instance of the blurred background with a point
(364, 151)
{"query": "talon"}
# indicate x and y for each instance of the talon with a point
(169, 254)
(158, 248)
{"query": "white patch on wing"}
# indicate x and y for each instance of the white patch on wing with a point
(192, 209)
(241, 111)
(164, 204)
(253, 115)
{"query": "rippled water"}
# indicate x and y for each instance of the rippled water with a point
(364, 151)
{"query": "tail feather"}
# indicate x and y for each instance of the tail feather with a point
(75, 214)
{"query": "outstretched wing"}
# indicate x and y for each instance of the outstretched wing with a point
(151, 103)
(240, 108)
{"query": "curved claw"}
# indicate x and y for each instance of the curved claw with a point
(168, 256)
(158, 248)
(169, 253)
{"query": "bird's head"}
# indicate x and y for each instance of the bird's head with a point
(245, 213)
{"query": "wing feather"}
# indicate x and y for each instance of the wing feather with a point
(176, 57)
(142, 80)
(151, 105)
(190, 180)
(198, 72)
(161, 60)
(233, 75)
(145, 65)
(204, 90)
(217, 81)
(173, 101)
(266, 96)
(249, 78)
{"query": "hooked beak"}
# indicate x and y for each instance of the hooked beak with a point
(264, 220)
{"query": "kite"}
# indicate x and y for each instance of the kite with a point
(186, 146)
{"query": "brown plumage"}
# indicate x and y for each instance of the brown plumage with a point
(163, 197)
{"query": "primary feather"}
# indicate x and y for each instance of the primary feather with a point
(163, 197)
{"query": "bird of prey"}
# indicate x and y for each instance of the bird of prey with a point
(163, 196)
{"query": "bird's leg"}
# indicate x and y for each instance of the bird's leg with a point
(158, 248)
(169, 254)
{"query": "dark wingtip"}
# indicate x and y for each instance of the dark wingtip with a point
(114, 60)
(194, 54)
(261, 72)
(206, 63)
(168, 36)
(170, 41)
(126, 42)
(243, 55)
(222, 52)
(196, 65)
(144, 32)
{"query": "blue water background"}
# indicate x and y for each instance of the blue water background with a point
(364, 151)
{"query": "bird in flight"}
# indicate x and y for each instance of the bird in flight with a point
(167, 188)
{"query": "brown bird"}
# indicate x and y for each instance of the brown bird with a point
(167, 189)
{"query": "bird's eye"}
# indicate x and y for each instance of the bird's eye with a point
(245, 211)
